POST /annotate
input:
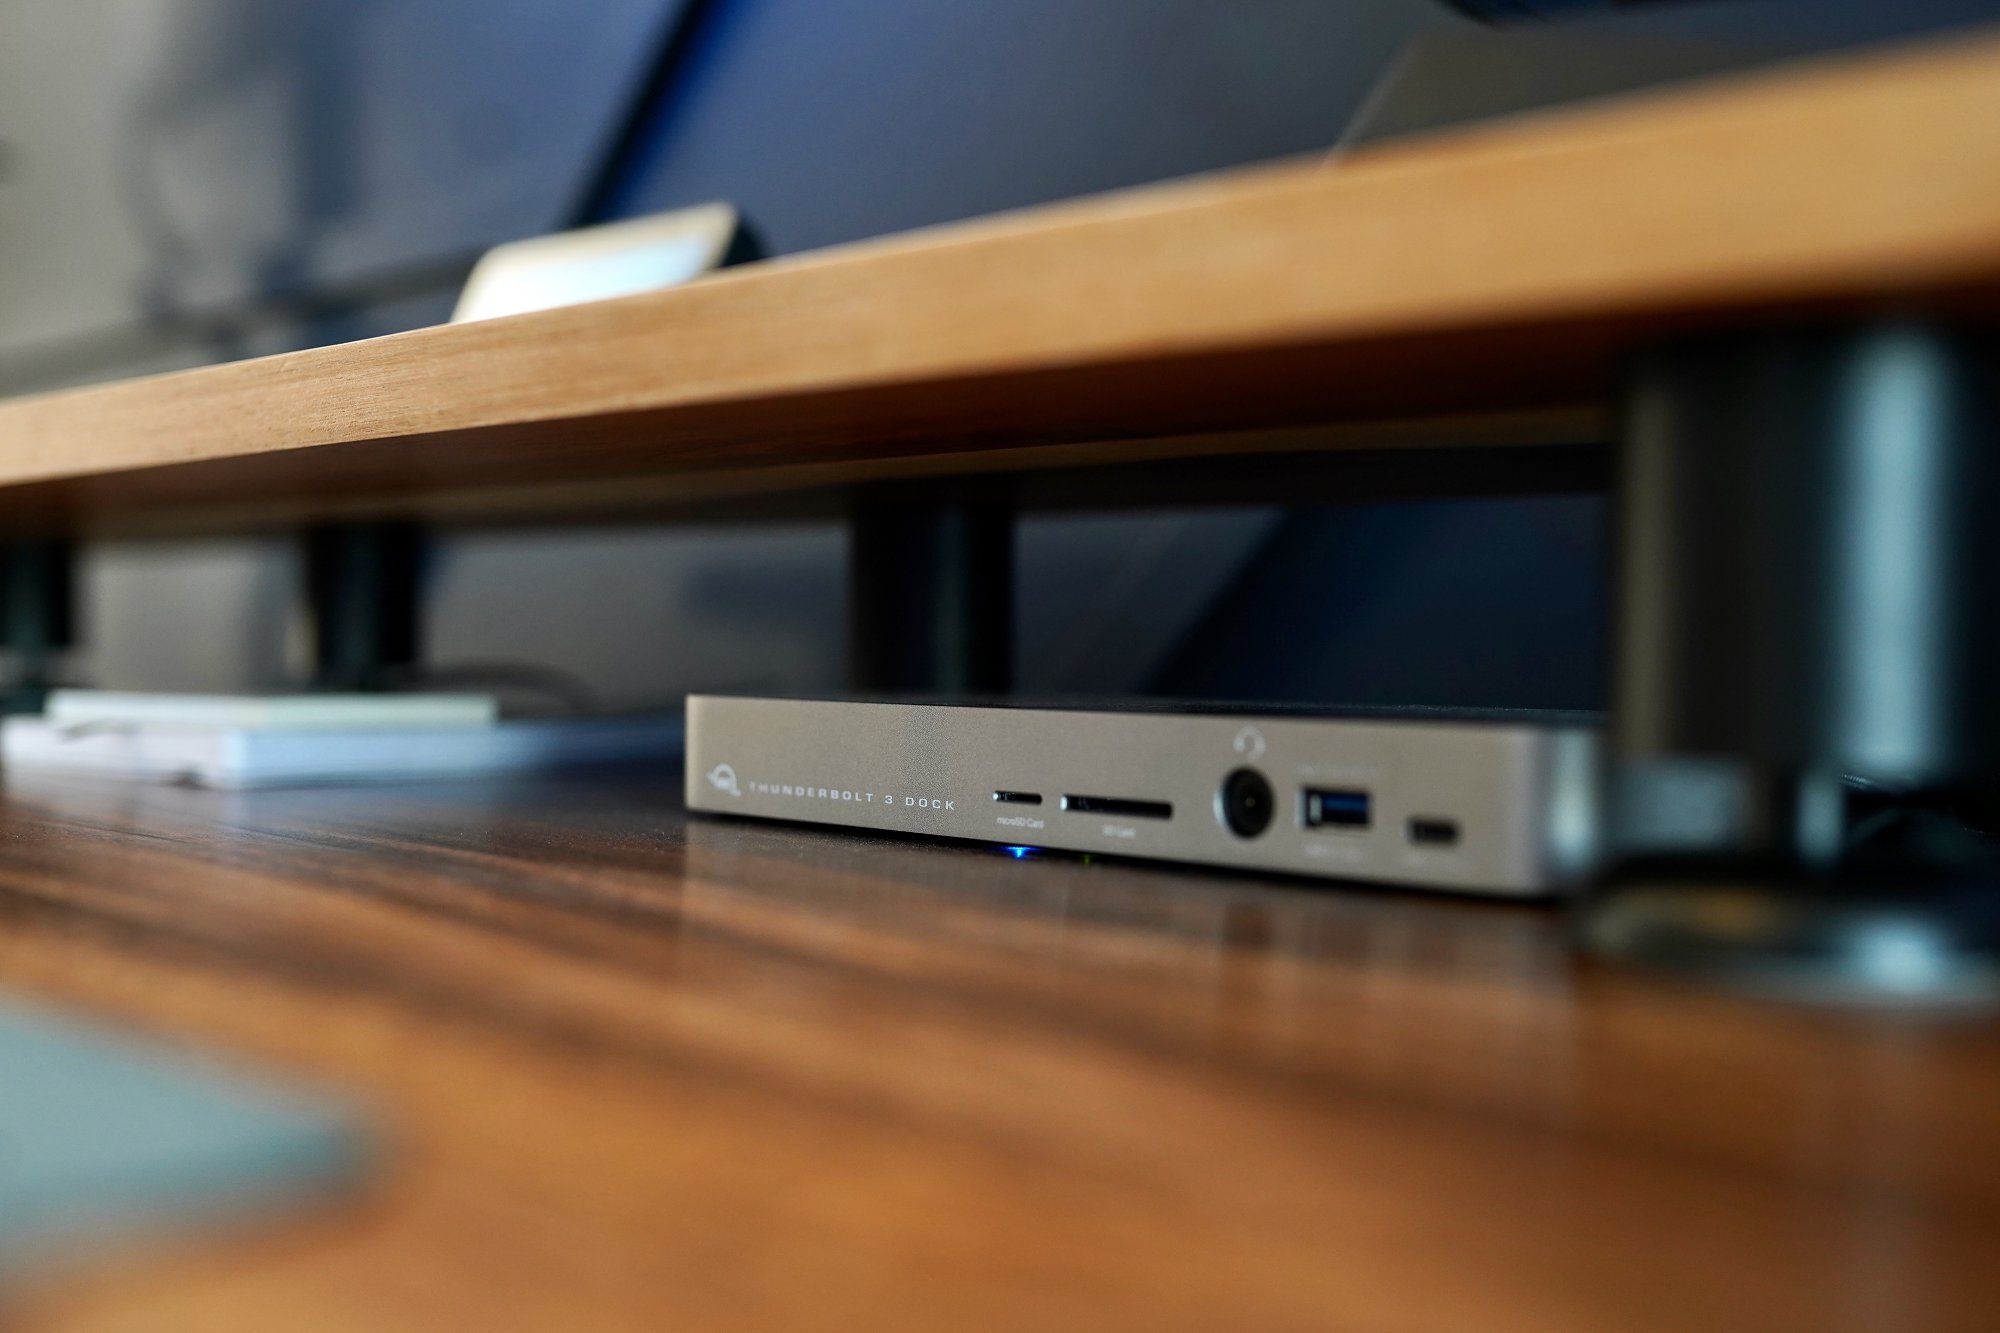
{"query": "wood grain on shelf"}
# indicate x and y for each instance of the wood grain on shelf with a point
(641, 1072)
(1501, 268)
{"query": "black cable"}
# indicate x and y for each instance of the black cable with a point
(662, 83)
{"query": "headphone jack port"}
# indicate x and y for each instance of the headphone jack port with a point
(1245, 803)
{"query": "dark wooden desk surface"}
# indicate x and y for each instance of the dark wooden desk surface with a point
(644, 1072)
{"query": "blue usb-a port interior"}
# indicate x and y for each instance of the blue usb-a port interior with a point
(1335, 808)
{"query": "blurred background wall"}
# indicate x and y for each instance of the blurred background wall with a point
(189, 180)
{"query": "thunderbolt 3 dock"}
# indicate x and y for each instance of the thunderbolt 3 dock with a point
(1493, 806)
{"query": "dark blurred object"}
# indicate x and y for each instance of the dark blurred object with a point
(363, 586)
(1501, 11)
(1810, 562)
(1808, 566)
(930, 595)
(1509, 11)
(609, 183)
(1462, 75)
(37, 617)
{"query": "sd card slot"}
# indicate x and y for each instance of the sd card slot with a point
(1119, 806)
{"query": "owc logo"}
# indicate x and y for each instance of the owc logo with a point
(723, 778)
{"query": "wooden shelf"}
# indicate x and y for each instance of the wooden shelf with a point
(1504, 270)
(634, 1070)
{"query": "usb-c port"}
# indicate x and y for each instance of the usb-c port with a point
(1018, 797)
(1426, 831)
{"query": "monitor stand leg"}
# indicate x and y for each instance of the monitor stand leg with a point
(930, 595)
(37, 622)
(1805, 726)
(362, 592)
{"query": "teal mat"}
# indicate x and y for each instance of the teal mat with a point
(104, 1138)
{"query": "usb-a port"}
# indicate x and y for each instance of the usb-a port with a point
(1335, 807)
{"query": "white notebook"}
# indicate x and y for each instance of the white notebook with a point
(272, 712)
(236, 758)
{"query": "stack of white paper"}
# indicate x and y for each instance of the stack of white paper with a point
(239, 742)
(271, 712)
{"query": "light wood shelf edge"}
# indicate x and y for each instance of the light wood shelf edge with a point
(1507, 268)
